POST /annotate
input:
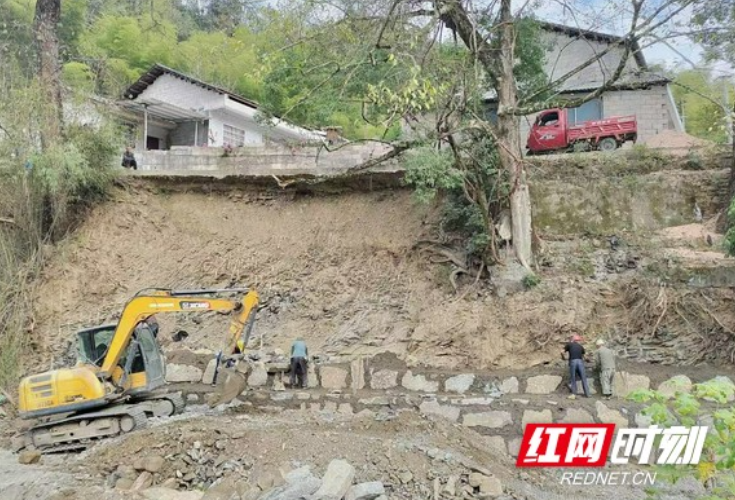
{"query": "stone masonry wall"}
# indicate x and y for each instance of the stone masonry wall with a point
(496, 407)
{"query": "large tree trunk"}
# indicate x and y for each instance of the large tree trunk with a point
(45, 27)
(500, 69)
(509, 143)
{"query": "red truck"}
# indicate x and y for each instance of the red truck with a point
(552, 132)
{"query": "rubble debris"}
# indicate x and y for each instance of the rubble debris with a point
(336, 482)
(28, 457)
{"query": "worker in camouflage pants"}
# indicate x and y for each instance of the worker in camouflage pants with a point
(605, 361)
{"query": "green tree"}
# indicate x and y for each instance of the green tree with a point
(410, 33)
(701, 103)
(230, 61)
(714, 21)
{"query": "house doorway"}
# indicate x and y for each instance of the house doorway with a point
(152, 143)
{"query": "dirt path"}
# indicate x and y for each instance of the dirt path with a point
(250, 446)
(29, 482)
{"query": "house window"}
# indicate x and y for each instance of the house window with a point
(234, 136)
(591, 110)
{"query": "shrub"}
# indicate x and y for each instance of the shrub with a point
(715, 469)
(531, 281)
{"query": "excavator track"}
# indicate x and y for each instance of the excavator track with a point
(162, 405)
(80, 431)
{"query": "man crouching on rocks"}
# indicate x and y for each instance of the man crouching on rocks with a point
(576, 365)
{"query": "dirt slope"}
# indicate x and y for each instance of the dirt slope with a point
(338, 270)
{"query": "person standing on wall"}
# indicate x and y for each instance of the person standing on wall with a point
(605, 362)
(299, 355)
(576, 352)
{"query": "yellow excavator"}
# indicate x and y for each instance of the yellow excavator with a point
(112, 389)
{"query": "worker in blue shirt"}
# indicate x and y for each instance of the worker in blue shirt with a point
(299, 355)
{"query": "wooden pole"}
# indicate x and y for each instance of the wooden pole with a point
(145, 127)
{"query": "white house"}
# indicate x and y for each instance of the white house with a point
(639, 91)
(169, 108)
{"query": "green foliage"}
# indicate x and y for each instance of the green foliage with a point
(430, 171)
(78, 76)
(687, 407)
(715, 20)
(531, 281)
(43, 193)
(474, 190)
(718, 457)
(698, 95)
(531, 52)
(660, 414)
(645, 396)
(714, 390)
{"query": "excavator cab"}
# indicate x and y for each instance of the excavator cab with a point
(92, 344)
(141, 367)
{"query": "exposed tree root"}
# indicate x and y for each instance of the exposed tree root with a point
(462, 264)
(676, 326)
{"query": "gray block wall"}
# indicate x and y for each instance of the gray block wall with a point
(651, 107)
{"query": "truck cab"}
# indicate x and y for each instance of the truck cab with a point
(554, 131)
(548, 132)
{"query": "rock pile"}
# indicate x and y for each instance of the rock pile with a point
(243, 482)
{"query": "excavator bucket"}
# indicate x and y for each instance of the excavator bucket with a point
(231, 385)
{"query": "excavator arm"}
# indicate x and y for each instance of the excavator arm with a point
(148, 302)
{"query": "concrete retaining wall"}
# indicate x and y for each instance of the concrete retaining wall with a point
(258, 160)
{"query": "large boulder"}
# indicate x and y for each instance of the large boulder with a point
(210, 372)
(311, 379)
(489, 419)
(418, 383)
(28, 457)
(678, 383)
(299, 484)
(610, 416)
(383, 379)
(577, 416)
(536, 417)
(366, 491)
(543, 384)
(226, 489)
(488, 486)
(336, 482)
(459, 383)
(333, 377)
(509, 386)
(144, 481)
(183, 373)
(357, 374)
(624, 383)
(152, 463)
(445, 411)
(258, 376)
